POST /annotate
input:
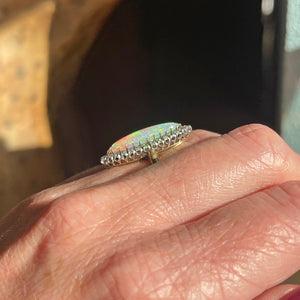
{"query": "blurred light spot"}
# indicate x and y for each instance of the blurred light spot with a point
(267, 7)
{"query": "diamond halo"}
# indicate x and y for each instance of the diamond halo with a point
(121, 153)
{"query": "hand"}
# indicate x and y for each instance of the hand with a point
(218, 219)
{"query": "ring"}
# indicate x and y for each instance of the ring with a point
(148, 142)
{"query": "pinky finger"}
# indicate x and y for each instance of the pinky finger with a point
(281, 292)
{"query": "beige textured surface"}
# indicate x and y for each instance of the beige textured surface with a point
(24, 56)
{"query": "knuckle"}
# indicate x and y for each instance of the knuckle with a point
(61, 217)
(53, 221)
(74, 217)
(252, 127)
(269, 147)
(259, 133)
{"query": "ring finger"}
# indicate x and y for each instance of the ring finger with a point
(100, 175)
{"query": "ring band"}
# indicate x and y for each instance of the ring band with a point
(148, 142)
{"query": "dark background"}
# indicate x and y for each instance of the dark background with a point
(194, 62)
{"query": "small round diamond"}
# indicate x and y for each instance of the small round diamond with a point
(173, 138)
(131, 154)
(117, 158)
(110, 159)
(167, 140)
(138, 151)
(160, 143)
(146, 148)
(154, 145)
(124, 155)
(103, 160)
(179, 135)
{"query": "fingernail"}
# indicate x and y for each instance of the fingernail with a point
(295, 295)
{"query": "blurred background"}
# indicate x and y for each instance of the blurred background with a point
(76, 75)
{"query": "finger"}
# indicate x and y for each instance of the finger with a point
(99, 175)
(28, 211)
(281, 292)
(198, 179)
(196, 136)
(236, 252)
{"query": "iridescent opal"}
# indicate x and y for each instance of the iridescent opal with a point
(142, 137)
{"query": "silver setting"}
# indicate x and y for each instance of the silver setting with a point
(167, 140)
(136, 152)
(124, 155)
(131, 154)
(147, 148)
(160, 143)
(154, 145)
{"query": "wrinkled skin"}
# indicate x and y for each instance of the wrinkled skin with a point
(217, 219)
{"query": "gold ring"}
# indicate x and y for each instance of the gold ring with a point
(146, 143)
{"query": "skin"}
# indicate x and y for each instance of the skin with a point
(219, 218)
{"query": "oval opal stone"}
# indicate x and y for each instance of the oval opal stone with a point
(141, 136)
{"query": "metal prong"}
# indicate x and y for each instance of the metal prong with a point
(153, 156)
